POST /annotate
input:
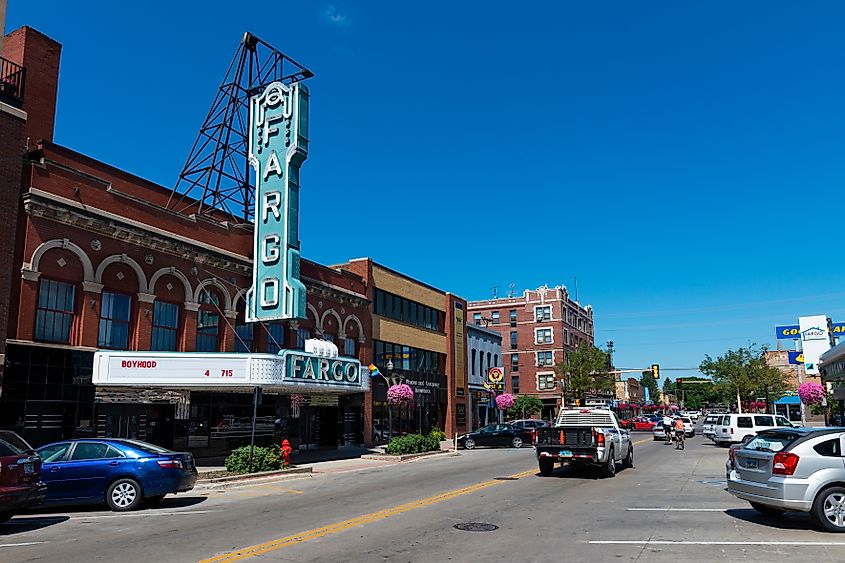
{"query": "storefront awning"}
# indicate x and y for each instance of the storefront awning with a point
(789, 400)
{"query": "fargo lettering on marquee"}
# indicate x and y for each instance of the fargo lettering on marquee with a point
(319, 369)
(278, 145)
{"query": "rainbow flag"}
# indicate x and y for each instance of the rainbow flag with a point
(374, 371)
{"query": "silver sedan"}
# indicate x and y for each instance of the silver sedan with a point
(799, 469)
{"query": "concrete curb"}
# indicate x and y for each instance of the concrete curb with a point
(406, 457)
(206, 480)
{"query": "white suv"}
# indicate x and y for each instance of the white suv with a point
(709, 426)
(732, 428)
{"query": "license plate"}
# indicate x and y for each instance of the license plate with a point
(28, 469)
(565, 453)
(751, 463)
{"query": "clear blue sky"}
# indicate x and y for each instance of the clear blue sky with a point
(683, 160)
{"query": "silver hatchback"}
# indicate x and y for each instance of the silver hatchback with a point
(800, 469)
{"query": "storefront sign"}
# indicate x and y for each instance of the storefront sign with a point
(814, 341)
(796, 358)
(461, 414)
(319, 370)
(460, 353)
(793, 332)
(323, 400)
(495, 379)
(278, 146)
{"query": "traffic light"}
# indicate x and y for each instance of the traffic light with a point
(655, 372)
(679, 381)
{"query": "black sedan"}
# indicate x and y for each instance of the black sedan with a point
(493, 435)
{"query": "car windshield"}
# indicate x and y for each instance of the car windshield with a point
(145, 447)
(12, 444)
(770, 442)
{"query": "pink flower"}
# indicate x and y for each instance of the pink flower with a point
(811, 393)
(400, 394)
(504, 401)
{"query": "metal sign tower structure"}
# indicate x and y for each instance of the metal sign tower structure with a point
(217, 174)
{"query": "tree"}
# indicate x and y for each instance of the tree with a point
(585, 371)
(525, 405)
(647, 381)
(744, 373)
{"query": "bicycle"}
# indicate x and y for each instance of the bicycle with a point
(679, 439)
(667, 432)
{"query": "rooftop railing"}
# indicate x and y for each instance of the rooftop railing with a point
(12, 82)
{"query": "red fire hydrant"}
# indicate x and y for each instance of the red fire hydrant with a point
(286, 450)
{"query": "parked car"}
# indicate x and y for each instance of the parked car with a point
(641, 423)
(585, 436)
(494, 435)
(732, 428)
(20, 475)
(121, 473)
(530, 426)
(798, 469)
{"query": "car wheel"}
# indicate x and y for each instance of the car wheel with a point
(5, 516)
(469, 443)
(766, 510)
(609, 469)
(829, 509)
(516, 442)
(547, 466)
(124, 495)
(154, 499)
(628, 462)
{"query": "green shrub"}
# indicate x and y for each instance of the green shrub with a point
(438, 434)
(413, 444)
(263, 459)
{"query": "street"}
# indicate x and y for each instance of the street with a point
(672, 506)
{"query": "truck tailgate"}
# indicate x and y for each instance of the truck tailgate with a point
(570, 436)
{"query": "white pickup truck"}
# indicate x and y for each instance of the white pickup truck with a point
(590, 436)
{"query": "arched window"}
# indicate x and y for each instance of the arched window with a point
(165, 326)
(54, 315)
(115, 313)
(473, 361)
(208, 322)
(243, 331)
(496, 360)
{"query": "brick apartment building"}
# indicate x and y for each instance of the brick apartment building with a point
(538, 328)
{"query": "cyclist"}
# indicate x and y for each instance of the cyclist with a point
(679, 433)
(667, 427)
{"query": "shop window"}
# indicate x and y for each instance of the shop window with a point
(545, 382)
(349, 347)
(545, 358)
(165, 326)
(54, 315)
(512, 315)
(302, 334)
(276, 337)
(543, 313)
(514, 362)
(515, 384)
(543, 336)
(513, 340)
(115, 311)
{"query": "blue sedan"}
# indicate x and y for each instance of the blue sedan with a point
(121, 473)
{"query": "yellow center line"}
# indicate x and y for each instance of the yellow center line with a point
(643, 441)
(273, 545)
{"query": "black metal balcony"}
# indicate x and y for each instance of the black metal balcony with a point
(12, 82)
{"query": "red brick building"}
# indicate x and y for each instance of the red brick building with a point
(538, 328)
(96, 260)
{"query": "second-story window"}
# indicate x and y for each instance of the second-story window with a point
(276, 337)
(514, 362)
(350, 347)
(302, 334)
(543, 336)
(165, 326)
(208, 322)
(472, 361)
(545, 358)
(515, 384)
(115, 312)
(54, 315)
(545, 382)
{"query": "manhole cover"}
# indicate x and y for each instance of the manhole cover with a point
(476, 527)
(504, 478)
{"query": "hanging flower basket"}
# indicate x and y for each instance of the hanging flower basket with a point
(674, 407)
(504, 401)
(811, 393)
(400, 394)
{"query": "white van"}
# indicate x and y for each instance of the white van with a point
(732, 428)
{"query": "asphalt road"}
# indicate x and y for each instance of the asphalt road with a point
(671, 507)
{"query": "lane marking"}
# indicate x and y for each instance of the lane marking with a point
(301, 537)
(643, 441)
(138, 514)
(22, 544)
(692, 542)
(684, 509)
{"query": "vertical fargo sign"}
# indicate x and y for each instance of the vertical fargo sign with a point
(278, 145)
